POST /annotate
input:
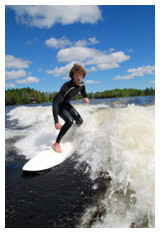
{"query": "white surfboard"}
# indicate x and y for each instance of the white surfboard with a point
(48, 158)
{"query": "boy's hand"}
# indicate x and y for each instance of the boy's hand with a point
(86, 100)
(58, 126)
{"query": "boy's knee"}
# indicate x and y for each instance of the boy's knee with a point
(79, 122)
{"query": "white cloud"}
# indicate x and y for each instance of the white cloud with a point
(47, 16)
(152, 82)
(91, 56)
(57, 43)
(83, 43)
(16, 63)
(80, 43)
(75, 53)
(111, 50)
(134, 72)
(91, 69)
(93, 40)
(15, 74)
(64, 42)
(92, 82)
(85, 56)
(118, 77)
(66, 78)
(35, 40)
(130, 51)
(140, 71)
(10, 85)
(28, 80)
(107, 66)
(57, 72)
(95, 59)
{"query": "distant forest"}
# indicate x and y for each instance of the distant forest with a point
(29, 96)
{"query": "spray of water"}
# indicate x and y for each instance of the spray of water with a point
(116, 143)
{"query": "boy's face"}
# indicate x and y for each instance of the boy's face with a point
(77, 78)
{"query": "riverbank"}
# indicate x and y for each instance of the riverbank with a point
(31, 96)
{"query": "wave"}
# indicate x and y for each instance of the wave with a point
(116, 143)
(120, 146)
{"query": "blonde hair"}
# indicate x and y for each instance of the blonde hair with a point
(77, 68)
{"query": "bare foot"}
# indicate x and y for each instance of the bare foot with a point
(57, 147)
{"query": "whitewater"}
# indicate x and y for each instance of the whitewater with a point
(117, 143)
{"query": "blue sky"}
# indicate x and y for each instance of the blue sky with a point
(115, 44)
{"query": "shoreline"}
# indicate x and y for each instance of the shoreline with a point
(78, 100)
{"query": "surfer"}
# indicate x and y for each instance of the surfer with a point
(61, 103)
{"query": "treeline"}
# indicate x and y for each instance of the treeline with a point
(29, 96)
(122, 93)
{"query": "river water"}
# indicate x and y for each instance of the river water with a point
(108, 182)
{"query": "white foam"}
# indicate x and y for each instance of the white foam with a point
(123, 146)
(114, 141)
(27, 116)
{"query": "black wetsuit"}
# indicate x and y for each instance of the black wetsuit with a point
(64, 109)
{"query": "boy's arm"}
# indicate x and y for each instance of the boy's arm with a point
(55, 106)
(83, 92)
(56, 102)
(85, 96)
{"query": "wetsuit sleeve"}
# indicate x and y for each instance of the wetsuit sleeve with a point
(84, 93)
(57, 101)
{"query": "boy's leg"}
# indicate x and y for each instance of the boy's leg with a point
(66, 116)
(76, 116)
